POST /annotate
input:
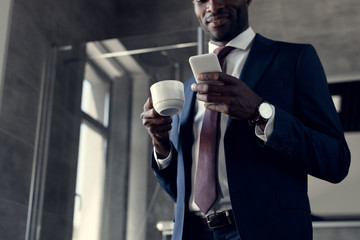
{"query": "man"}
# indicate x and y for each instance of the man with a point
(263, 157)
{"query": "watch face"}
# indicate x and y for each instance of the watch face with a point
(265, 110)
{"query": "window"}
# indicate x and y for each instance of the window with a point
(92, 156)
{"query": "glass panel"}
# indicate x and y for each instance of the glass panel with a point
(95, 95)
(89, 185)
(121, 200)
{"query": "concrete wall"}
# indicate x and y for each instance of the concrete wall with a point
(333, 27)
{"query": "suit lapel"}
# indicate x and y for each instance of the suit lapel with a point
(261, 53)
(186, 137)
(188, 109)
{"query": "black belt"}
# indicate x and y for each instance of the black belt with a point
(216, 220)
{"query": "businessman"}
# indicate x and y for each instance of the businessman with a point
(237, 158)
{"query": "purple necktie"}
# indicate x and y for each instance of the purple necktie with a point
(205, 182)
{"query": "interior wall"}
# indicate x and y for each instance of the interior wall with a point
(332, 26)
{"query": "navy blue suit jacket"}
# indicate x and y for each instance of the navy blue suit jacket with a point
(268, 182)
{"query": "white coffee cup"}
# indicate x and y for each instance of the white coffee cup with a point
(168, 97)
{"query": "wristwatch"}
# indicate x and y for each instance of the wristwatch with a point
(263, 114)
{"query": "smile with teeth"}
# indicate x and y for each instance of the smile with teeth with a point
(217, 20)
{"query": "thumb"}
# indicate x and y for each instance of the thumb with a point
(148, 104)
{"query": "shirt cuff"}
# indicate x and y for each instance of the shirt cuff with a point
(269, 127)
(163, 163)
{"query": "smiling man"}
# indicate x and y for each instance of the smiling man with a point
(275, 124)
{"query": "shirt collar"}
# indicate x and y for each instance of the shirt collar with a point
(241, 41)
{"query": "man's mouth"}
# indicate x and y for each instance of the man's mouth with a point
(217, 20)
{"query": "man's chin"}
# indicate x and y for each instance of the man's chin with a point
(220, 37)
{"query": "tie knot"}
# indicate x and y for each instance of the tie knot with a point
(223, 51)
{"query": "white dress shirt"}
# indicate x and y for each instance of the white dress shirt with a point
(233, 65)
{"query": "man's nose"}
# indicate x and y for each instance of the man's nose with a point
(214, 5)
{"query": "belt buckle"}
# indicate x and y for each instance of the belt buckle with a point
(210, 222)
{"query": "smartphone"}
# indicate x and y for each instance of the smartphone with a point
(205, 63)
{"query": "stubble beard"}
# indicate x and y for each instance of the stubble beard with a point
(224, 35)
(220, 36)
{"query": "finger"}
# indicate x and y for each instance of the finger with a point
(155, 121)
(202, 97)
(148, 114)
(208, 88)
(209, 76)
(159, 129)
(220, 77)
(215, 97)
(214, 107)
(225, 109)
(151, 112)
(215, 82)
(148, 104)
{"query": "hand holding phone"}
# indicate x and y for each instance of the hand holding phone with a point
(205, 63)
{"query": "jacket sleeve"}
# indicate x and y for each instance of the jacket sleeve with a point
(167, 176)
(312, 134)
